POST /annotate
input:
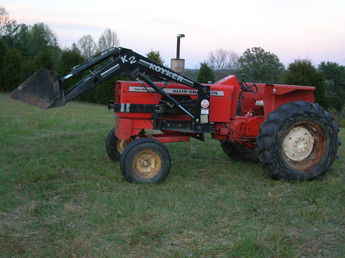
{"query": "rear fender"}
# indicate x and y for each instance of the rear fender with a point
(277, 95)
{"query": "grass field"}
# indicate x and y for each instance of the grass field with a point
(62, 197)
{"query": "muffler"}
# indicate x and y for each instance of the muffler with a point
(42, 89)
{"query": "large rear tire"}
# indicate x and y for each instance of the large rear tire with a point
(145, 161)
(298, 141)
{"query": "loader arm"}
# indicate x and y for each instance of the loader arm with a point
(118, 61)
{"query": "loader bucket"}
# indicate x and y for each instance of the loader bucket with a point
(42, 89)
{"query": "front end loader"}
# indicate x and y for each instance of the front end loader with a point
(279, 125)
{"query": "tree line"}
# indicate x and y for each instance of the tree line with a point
(27, 48)
(259, 65)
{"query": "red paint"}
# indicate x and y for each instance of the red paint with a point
(236, 115)
(174, 137)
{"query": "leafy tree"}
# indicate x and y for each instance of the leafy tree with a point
(205, 74)
(22, 40)
(40, 37)
(24, 49)
(11, 71)
(257, 64)
(32, 40)
(46, 59)
(39, 42)
(39, 45)
(334, 75)
(107, 40)
(155, 57)
(302, 72)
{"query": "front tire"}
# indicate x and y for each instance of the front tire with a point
(298, 141)
(114, 146)
(145, 161)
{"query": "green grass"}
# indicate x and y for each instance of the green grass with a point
(62, 197)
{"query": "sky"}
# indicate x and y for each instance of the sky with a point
(291, 29)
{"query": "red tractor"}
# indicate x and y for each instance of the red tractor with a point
(279, 125)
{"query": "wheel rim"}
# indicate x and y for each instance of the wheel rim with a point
(298, 144)
(147, 163)
(304, 145)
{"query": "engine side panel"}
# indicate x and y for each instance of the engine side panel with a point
(221, 103)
